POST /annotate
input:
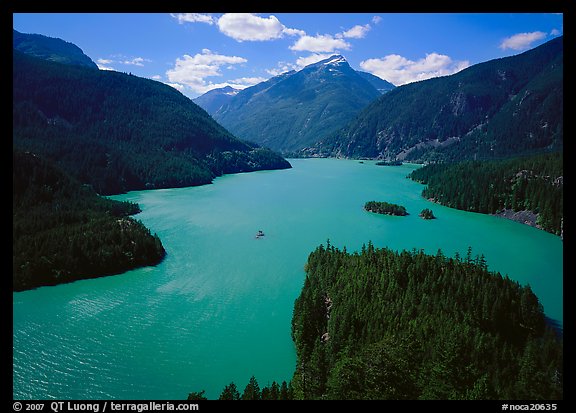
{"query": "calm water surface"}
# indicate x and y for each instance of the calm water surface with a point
(218, 308)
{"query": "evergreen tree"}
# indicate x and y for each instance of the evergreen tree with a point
(230, 392)
(252, 390)
(197, 395)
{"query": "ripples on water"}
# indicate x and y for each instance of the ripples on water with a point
(218, 308)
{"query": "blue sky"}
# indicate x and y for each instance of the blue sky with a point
(196, 52)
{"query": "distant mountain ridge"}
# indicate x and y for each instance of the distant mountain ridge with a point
(499, 108)
(214, 99)
(292, 110)
(50, 48)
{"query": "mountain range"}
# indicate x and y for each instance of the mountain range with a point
(214, 99)
(292, 110)
(119, 132)
(499, 108)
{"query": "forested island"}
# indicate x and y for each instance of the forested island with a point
(427, 213)
(532, 184)
(63, 231)
(385, 208)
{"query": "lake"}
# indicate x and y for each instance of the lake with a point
(219, 307)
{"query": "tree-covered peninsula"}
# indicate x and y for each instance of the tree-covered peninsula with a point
(63, 231)
(385, 325)
(380, 324)
(385, 208)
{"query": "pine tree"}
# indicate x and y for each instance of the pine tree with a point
(230, 392)
(252, 390)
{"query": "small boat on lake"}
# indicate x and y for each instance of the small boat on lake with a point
(259, 234)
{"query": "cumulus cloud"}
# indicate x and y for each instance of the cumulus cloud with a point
(555, 32)
(193, 18)
(320, 43)
(179, 87)
(302, 62)
(240, 83)
(521, 41)
(104, 64)
(137, 61)
(356, 32)
(250, 27)
(400, 70)
(281, 67)
(242, 26)
(192, 71)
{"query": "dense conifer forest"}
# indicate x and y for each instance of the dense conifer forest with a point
(119, 132)
(63, 231)
(533, 184)
(79, 132)
(380, 324)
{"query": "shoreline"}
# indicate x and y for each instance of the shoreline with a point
(524, 217)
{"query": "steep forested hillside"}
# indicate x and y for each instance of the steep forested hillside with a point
(534, 184)
(503, 107)
(292, 110)
(381, 324)
(119, 132)
(63, 231)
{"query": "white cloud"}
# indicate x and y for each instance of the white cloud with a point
(293, 32)
(177, 86)
(521, 41)
(244, 82)
(103, 64)
(400, 70)
(302, 62)
(376, 19)
(282, 67)
(242, 26)
(240, 83)
(249, 27)
(192, 71)
(356, 32)
(137, 61)
(193, 18)
(319, 43)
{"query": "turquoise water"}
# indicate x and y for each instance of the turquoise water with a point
(218, 308)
